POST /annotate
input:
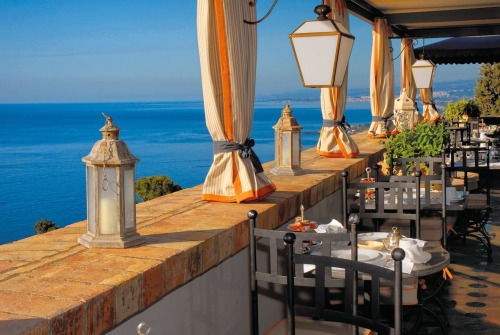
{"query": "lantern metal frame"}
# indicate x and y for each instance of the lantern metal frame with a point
(111, 209)
(322, 47)
(287, 145)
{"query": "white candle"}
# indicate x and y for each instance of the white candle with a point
(108, 218)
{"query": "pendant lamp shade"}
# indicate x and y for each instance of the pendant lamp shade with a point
(423, 73)
(322, 48)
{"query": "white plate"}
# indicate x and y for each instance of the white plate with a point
(456, 199)
(364, 255)
(373, 236)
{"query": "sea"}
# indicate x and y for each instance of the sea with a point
(42, 145)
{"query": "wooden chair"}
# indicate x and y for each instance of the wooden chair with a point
(267, 260)
(349, 319)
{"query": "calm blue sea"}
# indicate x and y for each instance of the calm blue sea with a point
(41, 147)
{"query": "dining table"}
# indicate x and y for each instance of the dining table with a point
(434, 268)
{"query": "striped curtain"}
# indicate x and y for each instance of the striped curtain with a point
(228, 48)
(407, 80)
(334, 140)
(430, 112)
(381, 82)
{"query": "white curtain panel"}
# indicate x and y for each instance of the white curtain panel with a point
(334, 141)
(227, 49)
(430, 112)
(407, 80)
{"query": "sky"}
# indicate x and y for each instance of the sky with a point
(136, 50)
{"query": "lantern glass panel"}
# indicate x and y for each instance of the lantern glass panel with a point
(90, 199)
(108, 205)
(129, 197)
(286, 149)
(296, 149)
(342, 60)
(423, 73)
(316, 56)
(276, 148)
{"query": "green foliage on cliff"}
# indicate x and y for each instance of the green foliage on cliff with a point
(488, 89)
(148, 188)
(43, 226)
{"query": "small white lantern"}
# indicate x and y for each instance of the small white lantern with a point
(287, 148)
(322, 48)
(423, 72)
(404, 111)
(111, 217)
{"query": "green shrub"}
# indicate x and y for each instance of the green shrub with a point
(423, 140)
(487, 92)
(43, 226)
(456, 110)
(148, 188)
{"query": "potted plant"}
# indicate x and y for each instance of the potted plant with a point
(461, 110)
(423, 140)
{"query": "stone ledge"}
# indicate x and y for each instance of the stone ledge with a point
(50, 284)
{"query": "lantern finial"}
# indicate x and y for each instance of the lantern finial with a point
(322, 11)
(110, 131)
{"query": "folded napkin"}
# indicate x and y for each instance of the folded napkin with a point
(414, 255)
(333, 227)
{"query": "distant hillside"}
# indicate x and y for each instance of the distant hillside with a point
(444, 92)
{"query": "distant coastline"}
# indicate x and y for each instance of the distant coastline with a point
(359, 98)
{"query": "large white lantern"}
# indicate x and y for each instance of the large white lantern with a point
(404, 111)
(423, 72)
(287, 147)
(111, 217)
(322, 48)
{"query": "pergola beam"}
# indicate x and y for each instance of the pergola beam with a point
(459, 15)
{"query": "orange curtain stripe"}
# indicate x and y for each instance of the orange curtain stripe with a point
(225, 72)
(376, 61)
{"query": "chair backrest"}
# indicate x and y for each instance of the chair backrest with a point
(408, 166)
(397, 197)
(273, 269)
(469, 159)
(460, 132)
(321, 308)
(432, 184)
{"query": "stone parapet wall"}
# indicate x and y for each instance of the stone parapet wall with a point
(50, 284)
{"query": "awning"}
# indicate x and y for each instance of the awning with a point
(463, 50)
(431, 18)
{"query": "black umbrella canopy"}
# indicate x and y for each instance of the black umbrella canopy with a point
(463, 50)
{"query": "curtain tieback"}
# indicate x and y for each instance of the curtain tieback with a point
(380, 118)
(333, 123)
(383, 119)
(245, 151)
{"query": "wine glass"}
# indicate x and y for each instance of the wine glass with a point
(391, 243)
(390, 246)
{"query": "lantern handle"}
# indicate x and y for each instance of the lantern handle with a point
(252, 4)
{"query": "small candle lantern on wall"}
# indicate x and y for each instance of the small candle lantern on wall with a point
(111, 217)
(287, 147)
